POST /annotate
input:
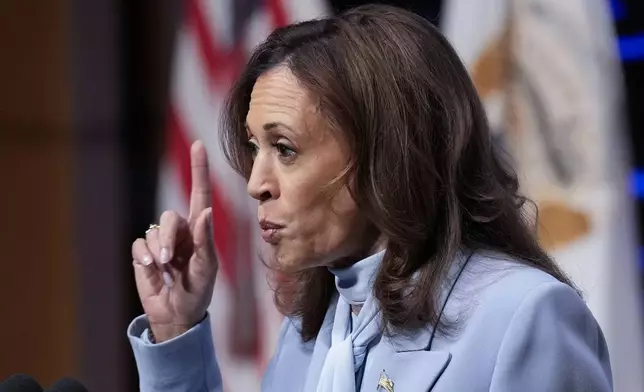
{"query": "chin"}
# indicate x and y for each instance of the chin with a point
(290, 263)
(290, 260)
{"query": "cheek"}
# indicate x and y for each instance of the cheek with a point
(312, 209)
(333, 218)
(322, 230)
(342, 204)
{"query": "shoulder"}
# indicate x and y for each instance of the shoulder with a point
(502, 283)
(512, 321)
(494, 291)
(532, 329)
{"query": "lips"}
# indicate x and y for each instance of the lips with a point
(270, 231)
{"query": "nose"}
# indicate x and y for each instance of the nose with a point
(262, 184)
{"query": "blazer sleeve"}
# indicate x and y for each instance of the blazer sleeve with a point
(185, 363)
(553, 343)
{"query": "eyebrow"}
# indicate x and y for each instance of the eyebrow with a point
(272, 126)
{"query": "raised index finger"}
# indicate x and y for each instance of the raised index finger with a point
(200, 195)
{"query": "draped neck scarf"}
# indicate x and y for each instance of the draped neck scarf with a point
(350, 337)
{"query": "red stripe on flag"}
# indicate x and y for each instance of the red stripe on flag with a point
(224, 224)
(277, 12)
(222, 65)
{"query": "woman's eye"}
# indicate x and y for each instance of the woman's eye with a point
(253, 148)
(284, 150)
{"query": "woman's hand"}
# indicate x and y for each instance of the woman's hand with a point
(175, 266)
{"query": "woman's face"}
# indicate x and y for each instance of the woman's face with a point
(307, 218)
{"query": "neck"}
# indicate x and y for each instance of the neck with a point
(377, 244)
(355, 282)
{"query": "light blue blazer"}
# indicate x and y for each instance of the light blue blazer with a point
(516, 329)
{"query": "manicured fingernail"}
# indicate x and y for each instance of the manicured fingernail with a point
(165, 255)
(167, 278)
(147, 260)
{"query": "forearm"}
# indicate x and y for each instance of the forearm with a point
(186, 362)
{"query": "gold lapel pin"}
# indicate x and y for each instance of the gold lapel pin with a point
(385, 382)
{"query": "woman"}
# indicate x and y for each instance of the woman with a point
(407, 261)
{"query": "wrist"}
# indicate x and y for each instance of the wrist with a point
(160, 332)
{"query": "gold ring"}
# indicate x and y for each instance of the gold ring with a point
(153, 226)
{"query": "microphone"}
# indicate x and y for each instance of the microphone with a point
(66, 385)
(20, 383)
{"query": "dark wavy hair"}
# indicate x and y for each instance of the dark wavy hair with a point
(422, 168)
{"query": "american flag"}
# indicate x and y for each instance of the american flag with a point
(211, 48)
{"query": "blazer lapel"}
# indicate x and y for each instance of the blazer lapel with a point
(405, 364)
(408, 363)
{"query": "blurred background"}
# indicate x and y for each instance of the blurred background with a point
(100, 99)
